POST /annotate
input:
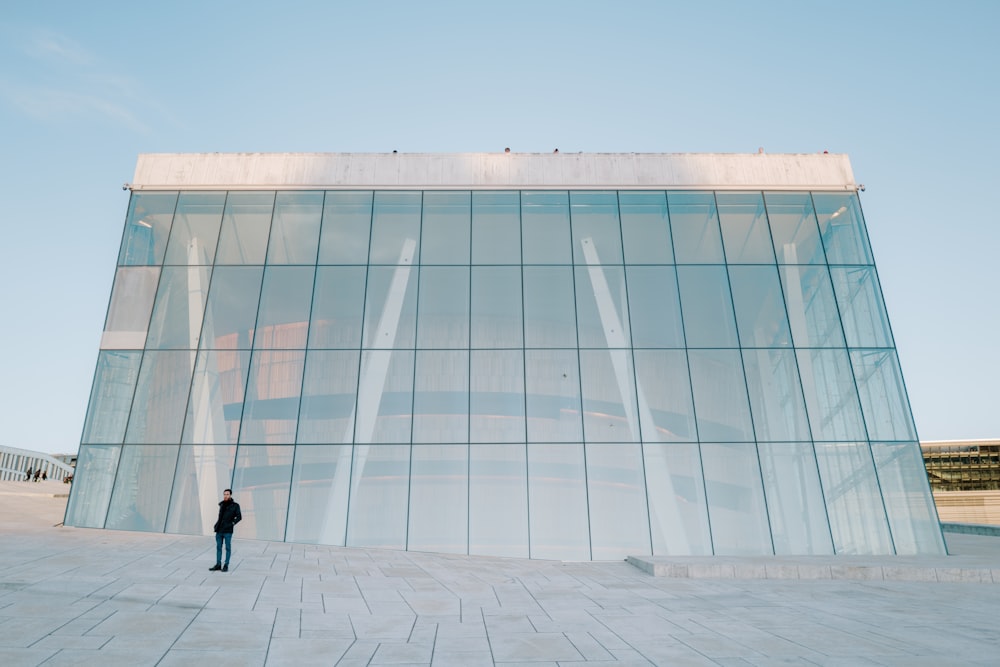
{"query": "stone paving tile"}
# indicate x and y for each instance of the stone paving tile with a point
(295, 652)
(531, 647)
(403, 654)
(180, 657)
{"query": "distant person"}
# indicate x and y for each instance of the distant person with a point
(229, 516)
(27, 475)
(37, 474)
(45, 475)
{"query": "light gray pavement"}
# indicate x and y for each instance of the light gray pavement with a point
(73, 596)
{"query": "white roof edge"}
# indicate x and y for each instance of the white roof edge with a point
(750, 171)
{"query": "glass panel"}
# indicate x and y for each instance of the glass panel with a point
(496, 307)
(812, 308)
(161, 395)
(860, 299)
(180, 305)
(441, 397)
(654, 306)
(779, 411)
(391, 307)
(195, 233)
(678, 513)
(395, 228)
(553, 396)
(831, 397)
(285, 298)
(111, 396)
(720, 396)
(609, 398)
(853, 499)
(232, 308)
(745, 233)
(907, 496)
(694, 222)
(321, 484)
(203, 472)
(142, 488)
(271, 408)
(496, 399)
(549, 312)
(337, 307)
(439, 499)
(793, 228)
(147, 228)
(328, 397)
(597, 236)
(545, 228)
(601, 307)
(260, 486)
(385, 397)
(794, 499)
(295, 229)
(558, 502)
(842, 228)
(760, 308)
(498, 501)
(883, 396)
(216, 404)
(128, 313)
(645, 228)
(93, 479)
(707, 306)
(245, 227)
(616, 493)
(663, 388)
(445, 229)
(444, 307)
(736, 504)
(347, 223)
(496, 228)
(379, 495)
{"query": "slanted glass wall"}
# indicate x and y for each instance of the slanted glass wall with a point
(548, 374)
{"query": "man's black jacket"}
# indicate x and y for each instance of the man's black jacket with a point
(229, 516)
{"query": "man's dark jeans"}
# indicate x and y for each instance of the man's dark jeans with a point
(219, 537)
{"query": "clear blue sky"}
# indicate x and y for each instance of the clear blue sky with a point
(909, 90)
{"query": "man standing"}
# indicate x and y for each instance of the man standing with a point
(229, 516)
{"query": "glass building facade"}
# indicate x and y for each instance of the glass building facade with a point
(577, 374)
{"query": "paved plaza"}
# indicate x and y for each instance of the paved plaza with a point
(71, 596)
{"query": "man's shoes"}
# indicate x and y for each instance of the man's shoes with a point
(215, 568)
(225, 568)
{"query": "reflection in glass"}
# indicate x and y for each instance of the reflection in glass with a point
(379, 496)
(246, 224)
(861, 308)
(552, 381)
(92, 481)
(161, 395)
(498, 501)
(609, 398)
(842, 228)
(694, 222)
(295, 228)
(346, 229)
(549, 312)
(883, 396)
(678, 513)
(597, 236)
(907, 496)
(793, 228)
(794, 500)
(283, 315)
(203, 472)
(720, 396)
(545, 230)
(616, 495)
(391, 307)
(441, 396)
(707, 306)
(601, 307)
(439, 499)
(654, 306)
(558, 502)
(337, 307)
(745, 233)
(444, 307)
(736, 506)
(496, 307)
(142, 488)
(321, 479)
(271, 407)
(147, 228)
(216, 405)
(496, 397)
(760, 309)
(180, 304)
(111, 396)
(853, 498)
(645, 228)
(395, 228)
(779, 411)
(812, 308)
(261, 485)
(663, 389)
(496, 227)
(831, 396)
(131, 303)
(195, 233)
(445, 228)
(385, 397)
(231, 312)
(328, 396)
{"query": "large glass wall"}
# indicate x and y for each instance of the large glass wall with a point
(548, 374)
